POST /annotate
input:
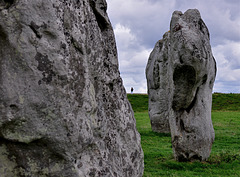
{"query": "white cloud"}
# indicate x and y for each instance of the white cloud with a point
(124, 37)
(132, 59)
(221, 21)
(228, 64)
(148, 19)
(228, 54)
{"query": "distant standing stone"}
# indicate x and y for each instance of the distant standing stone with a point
(180, 73)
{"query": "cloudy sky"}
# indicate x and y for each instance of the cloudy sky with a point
(139, 24)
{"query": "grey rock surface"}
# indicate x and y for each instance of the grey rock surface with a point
(63, 107)
(159, 86)
(180, 72)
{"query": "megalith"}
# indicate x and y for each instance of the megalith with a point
(63, 107)
(180, 74)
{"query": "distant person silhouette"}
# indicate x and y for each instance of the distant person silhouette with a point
(131, 90)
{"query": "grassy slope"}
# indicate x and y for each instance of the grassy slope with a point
(221, 102)
(225, 156)
(226, 102)
(139, 102)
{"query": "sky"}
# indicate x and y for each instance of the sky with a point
(139, 24)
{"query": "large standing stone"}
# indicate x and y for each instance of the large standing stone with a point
(180, 72)
(63, 108)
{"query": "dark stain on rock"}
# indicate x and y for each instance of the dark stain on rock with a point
(156, 75)
(62, 80)
(128, 171)
(134, 156)
(3, 35)
(100, 163)
(104, 172)
(92, 172)
(46, 66)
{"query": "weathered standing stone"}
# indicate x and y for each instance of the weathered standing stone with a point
(159, 86)
(63, 108)
(180, 72)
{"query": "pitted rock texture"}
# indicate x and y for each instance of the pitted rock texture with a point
(63, 108)
(180, 73)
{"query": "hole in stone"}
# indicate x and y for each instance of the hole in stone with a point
(14, 108)
(184, 78)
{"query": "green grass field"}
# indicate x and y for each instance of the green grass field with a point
(225, 156)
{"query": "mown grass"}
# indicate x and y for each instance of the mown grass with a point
(225, 156)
